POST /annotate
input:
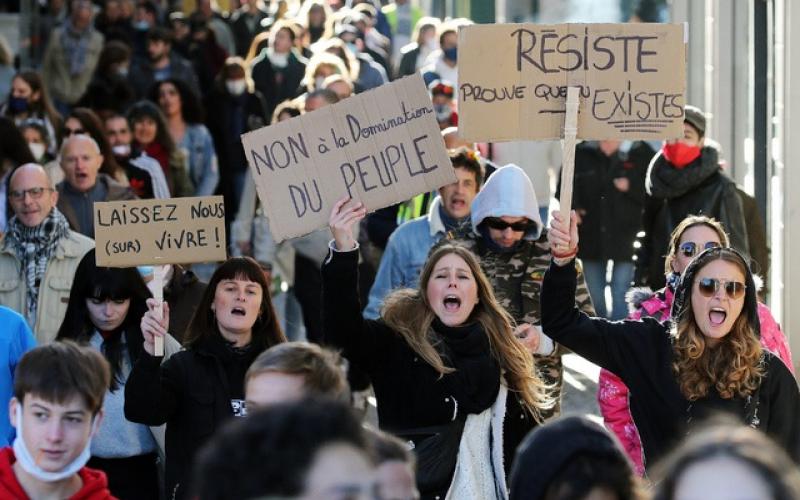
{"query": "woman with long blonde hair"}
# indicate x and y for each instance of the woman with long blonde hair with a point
(448, 373)
(705, 359)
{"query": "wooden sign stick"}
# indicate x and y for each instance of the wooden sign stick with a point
(158, 294)
(568, 151)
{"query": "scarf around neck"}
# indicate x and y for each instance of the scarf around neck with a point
(33, 247)
(476, 381)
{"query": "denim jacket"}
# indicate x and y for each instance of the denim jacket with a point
(198, 147)
(404, 256)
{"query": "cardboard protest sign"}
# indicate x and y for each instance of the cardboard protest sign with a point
(380, 147)
(156, 232)
(513, 80)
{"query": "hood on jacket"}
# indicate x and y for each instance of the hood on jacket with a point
(549, 449)
(95, 483)
(683, 292)
(508, 192)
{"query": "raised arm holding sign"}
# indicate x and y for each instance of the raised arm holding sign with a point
(158, 232)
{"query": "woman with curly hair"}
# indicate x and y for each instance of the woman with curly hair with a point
(448, 373)
(692, 235)
(705, 359)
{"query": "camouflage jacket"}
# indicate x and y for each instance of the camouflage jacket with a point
(517, 277)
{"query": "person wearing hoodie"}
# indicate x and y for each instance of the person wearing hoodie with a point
(694, 234)
(685, 178)
(511, 243)
(410, 243)
(572, 458)
(57, 408)
(707, 359)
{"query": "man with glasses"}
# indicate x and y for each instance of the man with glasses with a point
(39, 254)
(83, 185)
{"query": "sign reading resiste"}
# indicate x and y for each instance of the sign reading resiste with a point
(513, 80)
(380, 148)
(155, 232)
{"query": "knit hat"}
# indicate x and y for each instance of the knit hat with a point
(549, 449)
(696, 118)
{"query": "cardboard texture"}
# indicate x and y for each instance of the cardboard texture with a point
(381, 147)
(157, 232)
(513, 80)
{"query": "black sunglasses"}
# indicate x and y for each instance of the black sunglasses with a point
(689, 249)
(502, 225)
(709, 286)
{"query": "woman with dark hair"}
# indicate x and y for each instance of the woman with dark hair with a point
(86, 121)
(151, 136)
(109, 92)
(14, 152)
(237, 107)
(198, 389)
(184, 115)
(105, 308)
(29, 99)
(726, 460)
(706, 359)
(692, 235)
(448, 372)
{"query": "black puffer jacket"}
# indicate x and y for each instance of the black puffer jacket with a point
(700, 188)
(194, 392)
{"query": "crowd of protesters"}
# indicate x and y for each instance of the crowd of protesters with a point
(450, 312)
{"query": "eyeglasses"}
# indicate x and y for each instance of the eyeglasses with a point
(73, 131)
(689, 249)
(708, 287)
(501, 225)
(35, 193)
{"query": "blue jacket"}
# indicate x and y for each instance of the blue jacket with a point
(405, 254)
(198, 146)
(15, 340)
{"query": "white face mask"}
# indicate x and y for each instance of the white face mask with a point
(27, 462)
(318, 81)
(37, 150)
(121, 150)
(236, 87)
(432, 43)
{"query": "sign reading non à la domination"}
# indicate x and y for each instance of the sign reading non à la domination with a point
(155, 232)
(513, 80)
(380, 148)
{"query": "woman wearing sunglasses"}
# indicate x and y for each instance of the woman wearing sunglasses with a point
(510, 241)
(705, 359)
(693, 235)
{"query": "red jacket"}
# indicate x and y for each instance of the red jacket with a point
(95, 484)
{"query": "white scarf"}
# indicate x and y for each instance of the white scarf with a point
(476, 477)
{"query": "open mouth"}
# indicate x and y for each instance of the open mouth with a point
(452, 303)
(717, 316)
(238, 311)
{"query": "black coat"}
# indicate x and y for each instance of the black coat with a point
(278, 84)
(640, 353)
(409, 391)
(610, 218)
(192, 393)
(700, 188)
(408, 60)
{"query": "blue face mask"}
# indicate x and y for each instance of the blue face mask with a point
(451, 54)
(141, 25)
(17, 104)
(145, 271)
